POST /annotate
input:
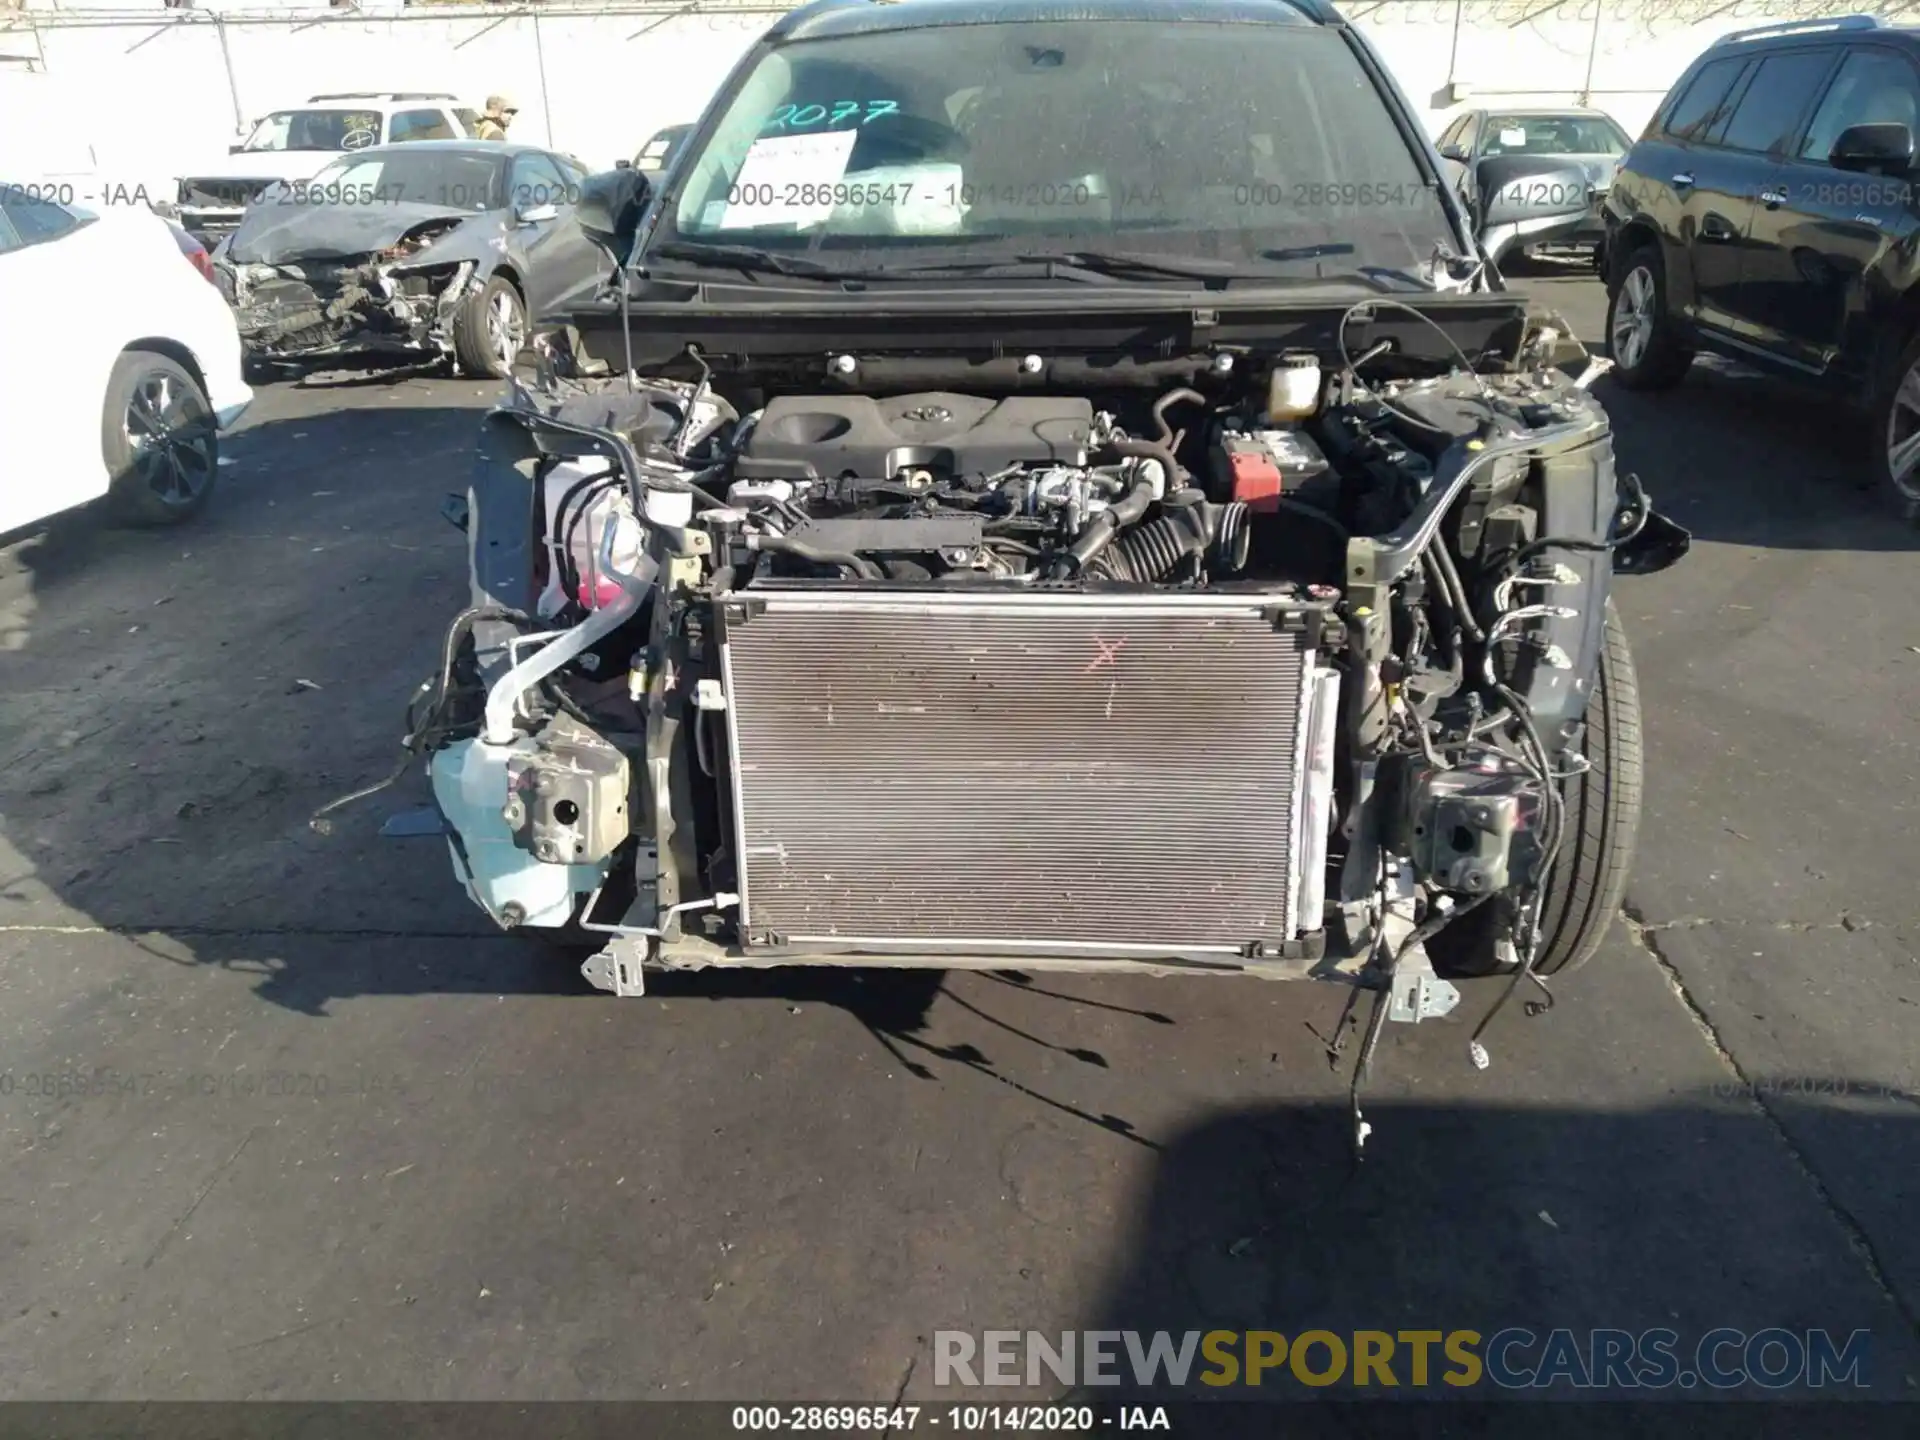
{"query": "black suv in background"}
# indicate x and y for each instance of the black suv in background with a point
(1770, 212)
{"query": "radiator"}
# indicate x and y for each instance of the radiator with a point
(1017, 773)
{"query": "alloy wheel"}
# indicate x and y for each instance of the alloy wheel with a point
(1633, 318)
(1903, 436)
(506, 327)
(170, 433)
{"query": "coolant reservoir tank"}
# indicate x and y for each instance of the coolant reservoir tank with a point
(1293, 389)
(670, 507)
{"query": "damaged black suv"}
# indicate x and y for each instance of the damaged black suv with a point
(1049, 487)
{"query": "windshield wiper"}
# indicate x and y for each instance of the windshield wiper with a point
(1380, 277)
(1081, 265)
(1308, 252)
(747, 258)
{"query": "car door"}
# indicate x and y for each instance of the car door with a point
(1672, 181)
(1748, 145)
(560, 260)
(51, 388)
(1826, 241)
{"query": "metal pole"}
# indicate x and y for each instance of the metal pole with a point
(1453, 55)
(540, 58)
(1593, 48)
(233, 88)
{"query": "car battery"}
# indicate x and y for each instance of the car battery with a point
(1258, 467)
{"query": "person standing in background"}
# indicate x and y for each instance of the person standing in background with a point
(499, 115)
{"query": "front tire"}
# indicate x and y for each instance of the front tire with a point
(1590, 873)
(1642, 336)
(159, 440)
(490, 329)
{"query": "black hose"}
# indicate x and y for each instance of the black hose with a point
(1176, 476)
(1100, 530)
(1165, 403)
(801, 550)
(1150, 552)
(1456, 590)
(1232, 536)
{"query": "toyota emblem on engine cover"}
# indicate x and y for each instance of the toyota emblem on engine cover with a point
(929, 412)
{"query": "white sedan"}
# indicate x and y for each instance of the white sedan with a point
(120, 367)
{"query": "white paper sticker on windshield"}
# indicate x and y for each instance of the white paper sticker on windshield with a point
(789, 180)
(1515, 136)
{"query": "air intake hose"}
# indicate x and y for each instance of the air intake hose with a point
(1150, 553)
(1130, 507)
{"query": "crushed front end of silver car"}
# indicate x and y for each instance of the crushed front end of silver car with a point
(403, 299)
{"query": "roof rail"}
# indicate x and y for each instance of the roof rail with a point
(385, 95)
(1802, 27)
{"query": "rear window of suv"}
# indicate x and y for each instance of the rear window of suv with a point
(1702, 103)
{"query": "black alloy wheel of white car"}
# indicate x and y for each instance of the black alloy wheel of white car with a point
(159, 440)
(1602, 824)
(490, 329)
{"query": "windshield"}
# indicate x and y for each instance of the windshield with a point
(453, 179)
(1203, 139)
(316, 130)
(1554, 135)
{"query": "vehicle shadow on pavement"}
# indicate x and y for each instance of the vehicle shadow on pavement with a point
(1688, 1217)
(179, 702)
(1738, 457)
(307, 974)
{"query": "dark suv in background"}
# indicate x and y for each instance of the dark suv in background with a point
(1770, 212)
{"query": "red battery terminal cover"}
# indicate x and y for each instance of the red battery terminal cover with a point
(1257, 481)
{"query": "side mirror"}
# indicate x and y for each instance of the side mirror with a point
(236, 147)
(1455, 152)
(1532, 192)
(536, 214)
(623, 164)
(1880, 148)
(610, 206)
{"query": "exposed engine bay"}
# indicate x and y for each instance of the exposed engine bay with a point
(1282, 670)
(402, 299)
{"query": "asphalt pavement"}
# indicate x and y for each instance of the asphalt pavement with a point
(284, 1118)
